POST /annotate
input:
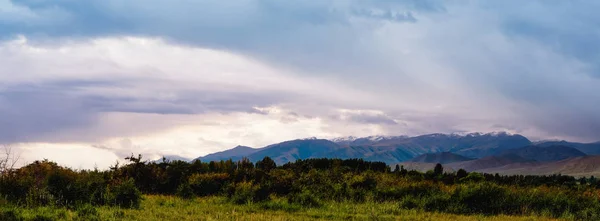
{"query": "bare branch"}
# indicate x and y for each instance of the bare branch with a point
(8, 159)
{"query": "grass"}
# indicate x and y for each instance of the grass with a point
(219, 208)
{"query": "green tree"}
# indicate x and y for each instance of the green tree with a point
(461, 173)
(266, 164)
(438, 169)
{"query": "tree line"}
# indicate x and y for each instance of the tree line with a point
(307, 183)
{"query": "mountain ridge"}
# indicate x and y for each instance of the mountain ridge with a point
(388, 149)
(442, 157)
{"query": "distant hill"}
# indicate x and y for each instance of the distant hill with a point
(587, 148)
(545, 153)
(578, 166)
(366, 141)
(530, 160)
(473, 145)
(492, 152)
(388, 149)
(290, 151)
(471, 165)
(172, 158)
(235, 154)
(443, 158)
(489, 162)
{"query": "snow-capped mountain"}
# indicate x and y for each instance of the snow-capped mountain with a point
(351, 140)
(389, 149)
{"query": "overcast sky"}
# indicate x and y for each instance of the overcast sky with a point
(85, 83)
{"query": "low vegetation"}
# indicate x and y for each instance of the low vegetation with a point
(305, 189)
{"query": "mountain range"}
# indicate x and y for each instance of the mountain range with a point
(494, 152)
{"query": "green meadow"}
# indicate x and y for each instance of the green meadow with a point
(160, 207)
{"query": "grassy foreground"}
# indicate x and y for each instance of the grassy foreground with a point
(155, 207)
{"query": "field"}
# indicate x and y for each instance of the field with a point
(155, 207)
(314, 189)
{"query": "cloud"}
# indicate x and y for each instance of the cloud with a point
(187, 78)
(72, 86)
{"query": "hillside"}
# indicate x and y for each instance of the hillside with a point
(579, 166)
(235, 153)
(587, 148)
(545, 153)
(290, 151)
(489, 162)
(474, 145)
(443, 158)
(471, 165)
(390, 149)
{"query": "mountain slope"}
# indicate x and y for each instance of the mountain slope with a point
(443, 158)
(578, 166)
(290, 151)
(474, 145)
(388, 149)
(384, 154)
(489, 162)
(235, 153)
(545, 153)
(587, 148)
(482, 145)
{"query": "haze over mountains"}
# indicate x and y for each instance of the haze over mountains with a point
(498, 152)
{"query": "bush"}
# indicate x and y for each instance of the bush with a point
(10, 215)
(278, 205)
(410, 203)
(125, 195)
(63, 186)
(437, 202)
(484, 198)
(87, 212)
(246, 192)
(418, 190)
(365, 182)
(207, 184)
(39, 197)
(43, 217)
(185, 191)
(472, 177)
(14, 189)
(305, 199)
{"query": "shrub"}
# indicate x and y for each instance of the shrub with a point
(436, 202)
(43, 217)
(281, 181)
(410, 203)
(365, 182)
(472, 177)
(63, 186)
(305, 199)
(125, 195)
(246, 192)
(185, 191)
(484, 198)
(207, 184)
(14, 189)
(266, 164)
(87, 212)
(39, 197)
(417, 189)
(279, 205)
(10, 215)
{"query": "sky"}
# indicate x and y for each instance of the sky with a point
(87, 83)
